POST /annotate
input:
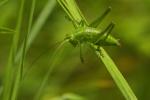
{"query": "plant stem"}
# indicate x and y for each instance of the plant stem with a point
(52, 64)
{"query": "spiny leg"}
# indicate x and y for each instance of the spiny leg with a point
(81, 54)
(99, 19)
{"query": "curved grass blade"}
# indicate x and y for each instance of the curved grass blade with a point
(115, 73)
(53, 61)
(38, 57)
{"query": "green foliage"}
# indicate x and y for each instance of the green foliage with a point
(19, 57)
(60, 74)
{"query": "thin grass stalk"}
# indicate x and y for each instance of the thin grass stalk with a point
(19, 73)
(9, 68)
(52, 64)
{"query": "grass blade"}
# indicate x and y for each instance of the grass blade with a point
(53, 61)
(10, 64)
(116, 74)
(38, 25)
(20, 67)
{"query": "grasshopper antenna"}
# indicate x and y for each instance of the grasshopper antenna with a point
(100, 19)
(42, 54)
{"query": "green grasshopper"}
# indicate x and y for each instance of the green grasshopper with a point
(89, 34)
(84, 32)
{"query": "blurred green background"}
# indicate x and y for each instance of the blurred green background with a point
(90, 80)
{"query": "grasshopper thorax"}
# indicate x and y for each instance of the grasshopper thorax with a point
(82, 35)
(92, 35)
